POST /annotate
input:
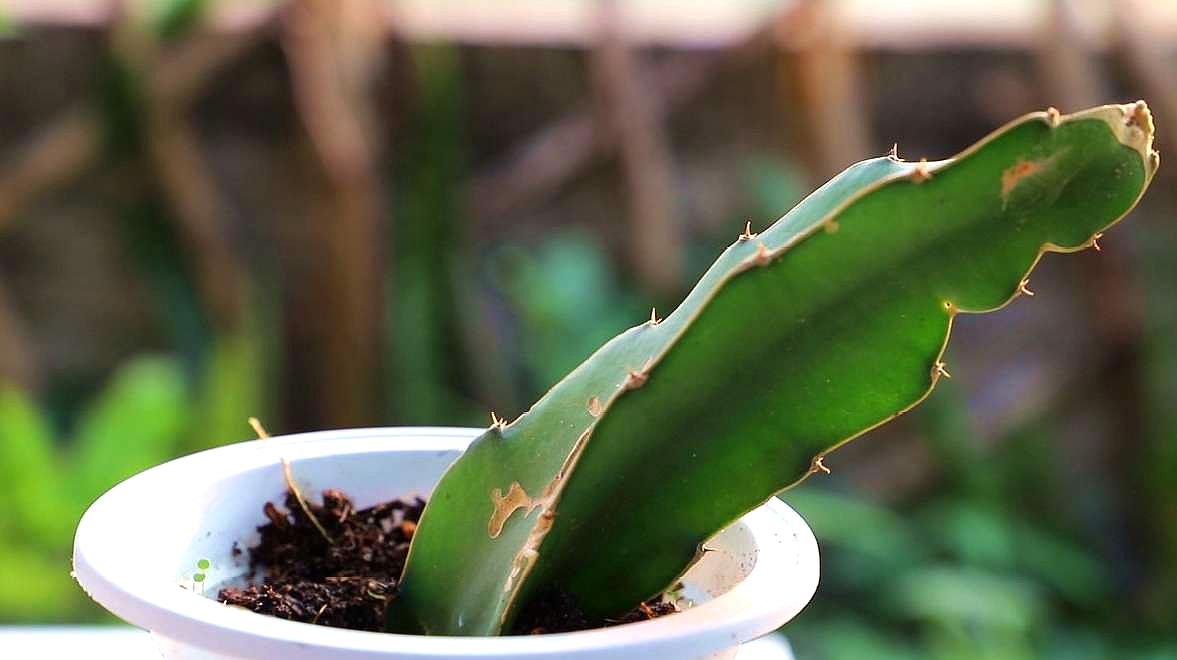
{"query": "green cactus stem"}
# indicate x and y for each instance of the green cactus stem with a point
(827, 324)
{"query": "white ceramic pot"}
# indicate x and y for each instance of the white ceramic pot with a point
(137, 549)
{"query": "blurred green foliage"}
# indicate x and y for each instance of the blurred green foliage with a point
(426, 358)
(984, 564)
(977, 570)
(567, 302)
(147, 413)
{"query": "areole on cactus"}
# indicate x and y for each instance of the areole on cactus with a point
(832, 321)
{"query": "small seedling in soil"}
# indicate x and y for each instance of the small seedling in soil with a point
(199, 576)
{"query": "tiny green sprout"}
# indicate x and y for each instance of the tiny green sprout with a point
(198, 577)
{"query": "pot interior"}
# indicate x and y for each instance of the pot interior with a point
(221, 515)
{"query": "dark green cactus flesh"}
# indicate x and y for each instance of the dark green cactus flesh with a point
(829, 323)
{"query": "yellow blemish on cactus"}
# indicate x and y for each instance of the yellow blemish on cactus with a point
(594, 407)
(1017, 173)
(524, 560)
(505, 505)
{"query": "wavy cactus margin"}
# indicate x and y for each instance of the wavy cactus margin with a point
(831, 322)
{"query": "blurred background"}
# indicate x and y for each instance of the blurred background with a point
(337, 213)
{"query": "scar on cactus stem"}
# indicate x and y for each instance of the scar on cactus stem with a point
(921, 172)
(788, 347)
(504, 505)
(762, 255)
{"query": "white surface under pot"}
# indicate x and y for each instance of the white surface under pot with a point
(138, 546)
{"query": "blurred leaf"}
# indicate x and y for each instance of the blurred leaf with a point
(426, 351)
(31, 483)
(980, 535)
(1157, 468)
(944, 418)
(158, 256)
(855, 525)
(175, 18)
(850, 638)
(973, 533)
(965, 598)
(775, 184)
(137, 422)
(232, 389)
(971, 644)
(36, 587)
(1068, 644)
(1065, 566)
(568, 302)
(8, 27)
(122, 101)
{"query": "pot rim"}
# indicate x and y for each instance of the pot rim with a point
(780, 584)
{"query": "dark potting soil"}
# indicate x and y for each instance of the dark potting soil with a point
(348, 582)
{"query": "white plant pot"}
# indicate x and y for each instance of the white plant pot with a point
(137, 548)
